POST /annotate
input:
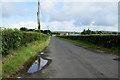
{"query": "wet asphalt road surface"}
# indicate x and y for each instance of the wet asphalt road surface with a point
(72, 61)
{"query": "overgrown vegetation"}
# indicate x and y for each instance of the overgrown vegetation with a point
(13, 39)
(13, 62)
(34, 30)
(18, 46)
(88, 32)
(103, 41)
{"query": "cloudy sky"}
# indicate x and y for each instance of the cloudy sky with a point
(61, 15)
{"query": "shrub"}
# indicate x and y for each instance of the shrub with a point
(13, 39)
(107, 41)
(23, 29)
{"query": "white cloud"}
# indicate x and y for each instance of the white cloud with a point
(60, 0)
(18, 0)
(10, 0)
(62, 26)
(74, 16)
(48, 6)
(69, 26)
(9, 9)
(83, 13)
(30, 25)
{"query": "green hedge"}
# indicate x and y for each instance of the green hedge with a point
(13, 39)
(107, 41)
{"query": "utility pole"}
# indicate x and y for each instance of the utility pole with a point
(38, 15)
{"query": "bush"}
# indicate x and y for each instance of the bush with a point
(107, 41)
(13, 39)
(23, 29)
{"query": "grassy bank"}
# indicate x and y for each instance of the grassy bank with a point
(0, 66)
(14, 61)
(90, 45)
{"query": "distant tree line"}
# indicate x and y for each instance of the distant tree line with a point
(84, 32)
(90, 32)
(42, 31)
(55, 33)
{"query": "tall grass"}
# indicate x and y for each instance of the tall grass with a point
(18, 46)
(14, 61)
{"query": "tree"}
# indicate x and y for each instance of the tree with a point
(23, 29)
(98, 32)
(31, 29)
(93, 32)
(84, 32)
(88, 31)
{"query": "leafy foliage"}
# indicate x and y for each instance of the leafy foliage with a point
(88, 32)
(23, 29)
(13, 39)
(107, 41)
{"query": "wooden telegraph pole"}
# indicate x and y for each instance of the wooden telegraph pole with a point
(38, 15)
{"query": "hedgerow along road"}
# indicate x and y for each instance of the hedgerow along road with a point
(72, 61)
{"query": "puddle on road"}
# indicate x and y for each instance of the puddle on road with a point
(42, 53)
(36, 63)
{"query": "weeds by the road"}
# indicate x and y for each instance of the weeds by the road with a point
(14, 61)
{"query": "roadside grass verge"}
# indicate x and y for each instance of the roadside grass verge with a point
(0, 66)
(92, 46)
(16, 58)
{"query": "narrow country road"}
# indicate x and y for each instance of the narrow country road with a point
(72, 61)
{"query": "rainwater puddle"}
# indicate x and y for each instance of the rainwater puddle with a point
(19, 77)
(36, 63)
(42, 53)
